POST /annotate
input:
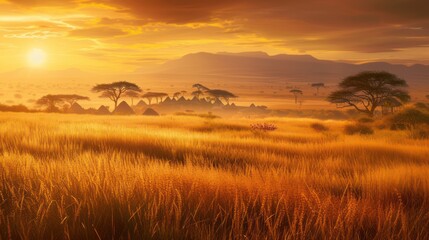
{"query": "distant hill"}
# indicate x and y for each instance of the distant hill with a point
(229, 68)
(300, 68)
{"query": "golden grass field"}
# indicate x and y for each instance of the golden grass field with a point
(178, 177)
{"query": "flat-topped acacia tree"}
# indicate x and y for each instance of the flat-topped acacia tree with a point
(200, 87)
(53, 103)
(220, 94)
(158, 96)
(114, 91)
(70, 99)
(132, 95)
(197, 94)
(317, 86)
(368, 90)
(296, 93)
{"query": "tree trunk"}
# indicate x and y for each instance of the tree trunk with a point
(116, 103)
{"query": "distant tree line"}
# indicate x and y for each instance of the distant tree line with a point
(365, 92)
(118, 90)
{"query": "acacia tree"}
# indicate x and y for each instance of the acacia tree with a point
(200, 87)
(114, 91)
(368, 90)
(296, 93)
(132, 95)
(51, 103)
(176, 95)
(70, 99)
(221, 94)
(154, 95)
(317, 86)
(197, 94)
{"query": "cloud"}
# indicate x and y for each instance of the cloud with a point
(39, 3)
(97, 32)
(365, 26)
(34, 34)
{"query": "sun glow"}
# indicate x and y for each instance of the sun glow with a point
(36, 57)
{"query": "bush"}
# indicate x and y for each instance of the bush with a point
(409, 119)
(13, 108)
(263, 127)
(358, 129)
(397, 126)
(365, 120)
(318, 127)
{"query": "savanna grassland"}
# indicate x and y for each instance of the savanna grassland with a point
(180, 177)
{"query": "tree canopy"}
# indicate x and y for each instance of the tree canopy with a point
(368, 90)
(220, 94)
(200, 87)
(53, 103)
(72, 98)
(114, 91)
(157, 95)
(296, 93)
(50, 102)
(197, 93)
(317, 86)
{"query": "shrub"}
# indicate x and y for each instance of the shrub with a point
(362, 129)
(318, 127)
(365, 120)
(397, 126)
(13, 108)
(409, 119)
(263, 127)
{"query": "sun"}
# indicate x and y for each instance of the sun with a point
(36, 57)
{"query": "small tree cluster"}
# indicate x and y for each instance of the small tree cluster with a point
(53, 103)
(212, 94)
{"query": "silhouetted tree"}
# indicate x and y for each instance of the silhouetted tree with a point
(296, 93)
(176, 95)
(50, 102)
(197, 94)
(154, 95)
(368, 90)
(200, 87)
(114, 91)
(317, 86)
(132, 95)
(221, 94)
(70, 99)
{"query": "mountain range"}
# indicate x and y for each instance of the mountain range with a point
(256, 67)
(294, 68)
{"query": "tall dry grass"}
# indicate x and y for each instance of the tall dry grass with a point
(89, 177)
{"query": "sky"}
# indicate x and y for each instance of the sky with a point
(124, 35)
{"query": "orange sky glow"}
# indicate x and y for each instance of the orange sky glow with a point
(124, 35)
